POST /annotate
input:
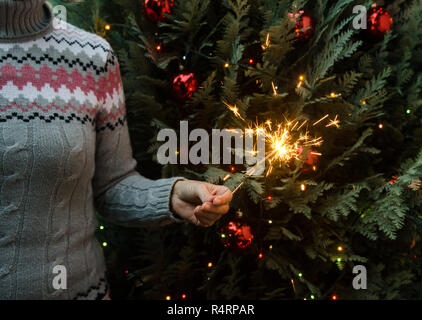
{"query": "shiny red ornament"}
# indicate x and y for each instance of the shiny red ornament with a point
(236, 235)
(304, 24)
(379, 22)
(156, 10)
(184, 85)
(311, 159)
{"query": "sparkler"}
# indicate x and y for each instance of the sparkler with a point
(285, 140)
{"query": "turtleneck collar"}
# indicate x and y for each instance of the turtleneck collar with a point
(24, 20)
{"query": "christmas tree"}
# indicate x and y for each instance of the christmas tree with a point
(339, 107)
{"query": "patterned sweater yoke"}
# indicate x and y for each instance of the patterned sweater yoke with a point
(65, 155)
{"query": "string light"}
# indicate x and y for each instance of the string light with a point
(250, 61)
(270, 247)
(183, 296)
(334, 95)
(226, 65)
(101, 227)
(275, 93)
(232, 169)
(302, 187)
(158, 48)
(300, 275)
(223, 235)
(380, 126)
(333, 297)
(339, 248)
(270, 198)
(270, 221)
(209, 264)
(408, 111)
(168, 298)
(107, 27)
(126, 271)
(338, 259)
(312, 297)
(104, 244)
(301, 78)
(260, 255)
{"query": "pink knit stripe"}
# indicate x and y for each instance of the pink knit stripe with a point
(48, 108)
(73, 80)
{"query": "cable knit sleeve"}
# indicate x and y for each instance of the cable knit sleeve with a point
(121, 194)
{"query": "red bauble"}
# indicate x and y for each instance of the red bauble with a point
(311, 159)
(184, 85)
(304, 24)
(155, 10)
(236, 235)
(379, 22)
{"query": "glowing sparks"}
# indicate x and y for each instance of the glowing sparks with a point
(293, 285)
(320, 120)
(334, 122)
(274, 88)
(234, 109)
(266, 45)
(286, 140)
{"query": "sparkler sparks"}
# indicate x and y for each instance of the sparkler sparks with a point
(285, 139)
(235, 110)
(334, 122)
(266, 45)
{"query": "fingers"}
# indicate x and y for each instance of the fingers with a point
(207, 219)
(224, 195)
(208, 207)
(208, 214)
(205, 194)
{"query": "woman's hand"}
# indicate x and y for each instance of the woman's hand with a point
(199, 202)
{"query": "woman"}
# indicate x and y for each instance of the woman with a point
(65, 154)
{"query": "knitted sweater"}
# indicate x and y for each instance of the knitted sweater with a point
(65, 155)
